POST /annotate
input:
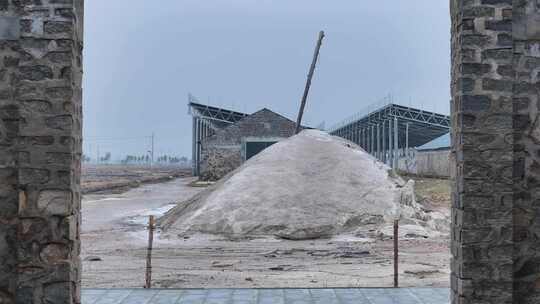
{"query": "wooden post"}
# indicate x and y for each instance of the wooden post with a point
(308, 83)
(151, 223)
(396, 253)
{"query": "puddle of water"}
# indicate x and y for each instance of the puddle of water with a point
(142, 217)
(266, 240)
(351, 238)
(104, 199)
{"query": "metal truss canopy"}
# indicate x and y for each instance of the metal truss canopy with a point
(215, 115)
(422, 126)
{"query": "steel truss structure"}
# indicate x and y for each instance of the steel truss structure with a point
(384, 131)
(206, 120)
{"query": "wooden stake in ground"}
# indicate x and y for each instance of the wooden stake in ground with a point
(151, 223)
(308, 83)
(396, 253)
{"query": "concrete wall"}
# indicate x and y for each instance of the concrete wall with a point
(222, 152)
(40, 141)
(434, 163)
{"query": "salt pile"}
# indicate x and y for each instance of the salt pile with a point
(311, 185)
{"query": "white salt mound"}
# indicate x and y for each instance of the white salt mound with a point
(311, 185)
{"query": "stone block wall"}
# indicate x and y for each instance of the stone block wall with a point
(222, 152)
(40, 138)
(526, 106)
(482, 138)
(496, 224)
(219, 160)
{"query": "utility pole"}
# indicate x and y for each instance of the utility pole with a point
(308, 83)
(97, 160)
(152, 151)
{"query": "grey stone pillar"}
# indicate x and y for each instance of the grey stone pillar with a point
(526, 123)
(482, 251)
(40, 134)
(495, 144)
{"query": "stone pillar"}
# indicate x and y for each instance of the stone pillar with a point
(526, 123)
(40, 135)
(496, 144)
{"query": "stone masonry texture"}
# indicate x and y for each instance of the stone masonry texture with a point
(526, 106)
(222, 152)
(41, 45)
(496, 149)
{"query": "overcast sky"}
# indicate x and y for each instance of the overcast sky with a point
(143, 57)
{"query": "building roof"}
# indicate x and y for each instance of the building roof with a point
(218, 117)
(423, 126)
(439, 143)
(236, 129)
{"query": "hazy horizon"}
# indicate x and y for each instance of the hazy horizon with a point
(142, 60)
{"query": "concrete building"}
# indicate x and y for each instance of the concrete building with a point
(229, 147)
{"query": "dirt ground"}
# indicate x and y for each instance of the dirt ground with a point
(114, 241)
(120, 178)
(433, 193)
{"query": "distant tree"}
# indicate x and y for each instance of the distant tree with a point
(86, 158)
(106, 158)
